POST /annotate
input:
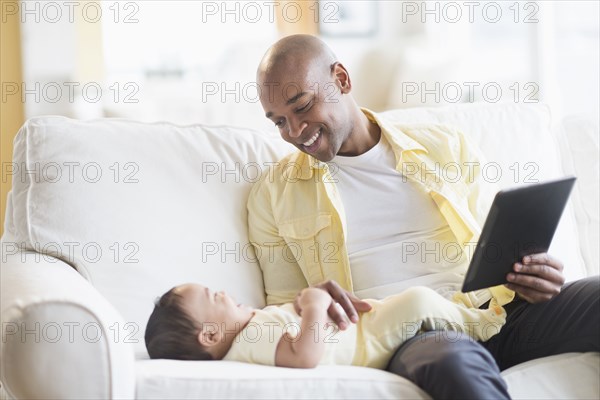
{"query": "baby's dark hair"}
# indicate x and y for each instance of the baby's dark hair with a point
(171, 333)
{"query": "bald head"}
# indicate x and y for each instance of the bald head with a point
(296, 54)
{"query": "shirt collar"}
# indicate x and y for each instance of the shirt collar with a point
(303, 165)
(398, 139)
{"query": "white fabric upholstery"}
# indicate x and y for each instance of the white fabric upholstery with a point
(578, 137)
(53, 320)
(170, 379)
(158, 379)
(578, 374)
(175, 212)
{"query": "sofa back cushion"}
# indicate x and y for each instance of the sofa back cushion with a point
(578, 137)
(138, 208)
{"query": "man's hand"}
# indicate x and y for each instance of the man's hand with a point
(351, 304)
(538, 278)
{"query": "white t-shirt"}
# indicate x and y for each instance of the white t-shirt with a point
(396, 235)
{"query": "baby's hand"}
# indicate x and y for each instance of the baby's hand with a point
(313, 297)
(344, 307)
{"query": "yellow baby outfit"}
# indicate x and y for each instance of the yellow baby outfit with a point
(377, 335)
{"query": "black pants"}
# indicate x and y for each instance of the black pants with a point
(460, 369)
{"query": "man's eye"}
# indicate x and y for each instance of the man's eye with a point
(279, 123)
(304, 108)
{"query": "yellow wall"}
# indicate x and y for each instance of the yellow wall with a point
(12, 113)
(306, 23)
(89, 60)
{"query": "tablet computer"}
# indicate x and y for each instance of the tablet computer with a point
(521, 221)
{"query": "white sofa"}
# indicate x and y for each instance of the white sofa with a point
(106, 215)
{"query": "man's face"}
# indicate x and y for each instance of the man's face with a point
(307, 110)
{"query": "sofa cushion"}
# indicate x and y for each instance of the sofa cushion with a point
(138, 208)
(169, 379)
(565, 376)
(571, 375)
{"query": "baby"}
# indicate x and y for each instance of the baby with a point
(191, 322)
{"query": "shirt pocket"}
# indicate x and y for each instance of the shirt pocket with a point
(304, 237)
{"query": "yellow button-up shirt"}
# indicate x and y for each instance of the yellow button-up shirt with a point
(297, 222)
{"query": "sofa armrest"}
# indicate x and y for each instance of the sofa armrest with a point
(60, 337)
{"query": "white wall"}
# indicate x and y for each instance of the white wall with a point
(162, 65)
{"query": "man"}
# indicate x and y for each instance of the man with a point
(344, 209)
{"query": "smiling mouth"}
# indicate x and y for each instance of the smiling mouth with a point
(312, 144)
(312, 139)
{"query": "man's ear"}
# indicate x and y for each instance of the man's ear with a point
(209, 335)
(341, 77)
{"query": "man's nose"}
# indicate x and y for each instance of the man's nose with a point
(296, 127)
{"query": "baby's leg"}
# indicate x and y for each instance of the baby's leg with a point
(400, 317)
(430, 311)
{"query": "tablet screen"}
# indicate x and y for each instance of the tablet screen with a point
(521, 221)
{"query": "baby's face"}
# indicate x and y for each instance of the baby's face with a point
(206, 306)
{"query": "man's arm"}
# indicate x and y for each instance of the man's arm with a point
(306, 350)
(480, 195)
(480, 192)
